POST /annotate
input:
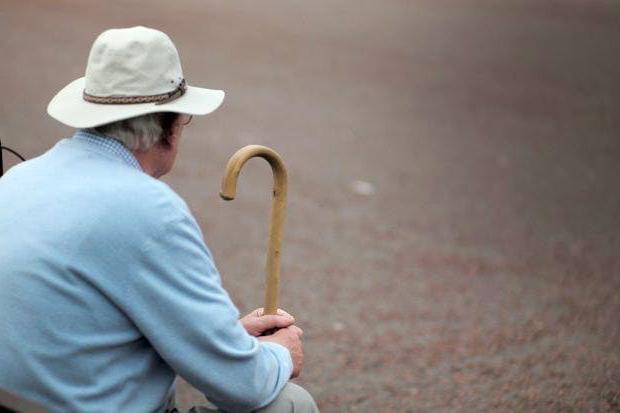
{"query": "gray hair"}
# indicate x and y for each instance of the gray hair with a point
(139, 133)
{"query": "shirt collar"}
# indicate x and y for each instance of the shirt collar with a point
(109, 145)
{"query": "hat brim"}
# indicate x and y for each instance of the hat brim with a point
(69, 107)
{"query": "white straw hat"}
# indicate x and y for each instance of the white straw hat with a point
(130, 72)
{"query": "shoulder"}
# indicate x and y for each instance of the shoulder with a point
(140, 199)
(141, 219)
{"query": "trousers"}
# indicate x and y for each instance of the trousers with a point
(292, 399)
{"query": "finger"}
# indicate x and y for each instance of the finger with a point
(275, 321)
(259, 312)
(296, 330)
(284, 313)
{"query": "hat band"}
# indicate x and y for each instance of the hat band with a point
(127, 100)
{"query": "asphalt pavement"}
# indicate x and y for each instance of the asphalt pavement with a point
(452, 241)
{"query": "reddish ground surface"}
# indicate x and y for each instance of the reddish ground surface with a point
(483, 273)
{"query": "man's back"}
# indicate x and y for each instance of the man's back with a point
(93, 301)
(60, 218)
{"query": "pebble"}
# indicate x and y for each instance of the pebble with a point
(337, 326)
(363, 188)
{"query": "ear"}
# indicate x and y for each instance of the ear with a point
(173, 137)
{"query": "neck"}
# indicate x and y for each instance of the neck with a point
(150, 162)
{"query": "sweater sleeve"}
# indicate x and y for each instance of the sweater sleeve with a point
(172, 292)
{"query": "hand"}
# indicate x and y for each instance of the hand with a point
(290, 337)
(256, 324)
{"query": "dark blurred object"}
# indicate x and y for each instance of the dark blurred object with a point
(9, 402)
(2, 161)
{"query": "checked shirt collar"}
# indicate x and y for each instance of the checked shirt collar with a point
(110, 145)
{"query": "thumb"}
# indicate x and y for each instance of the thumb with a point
(267, 322)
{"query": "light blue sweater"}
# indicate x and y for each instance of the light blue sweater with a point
(107, 291)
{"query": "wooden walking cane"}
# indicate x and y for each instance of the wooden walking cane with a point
(229, 190)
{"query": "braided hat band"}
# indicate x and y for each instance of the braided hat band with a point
(126, 100)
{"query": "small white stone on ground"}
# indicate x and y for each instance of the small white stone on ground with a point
(337, 326)
(363, 188)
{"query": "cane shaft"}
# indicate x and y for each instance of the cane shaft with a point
(229, 189)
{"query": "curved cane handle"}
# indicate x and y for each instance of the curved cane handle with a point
(228, 192)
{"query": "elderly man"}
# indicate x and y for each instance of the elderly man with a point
(107, 290)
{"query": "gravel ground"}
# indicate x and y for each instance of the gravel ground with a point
(476, 266)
